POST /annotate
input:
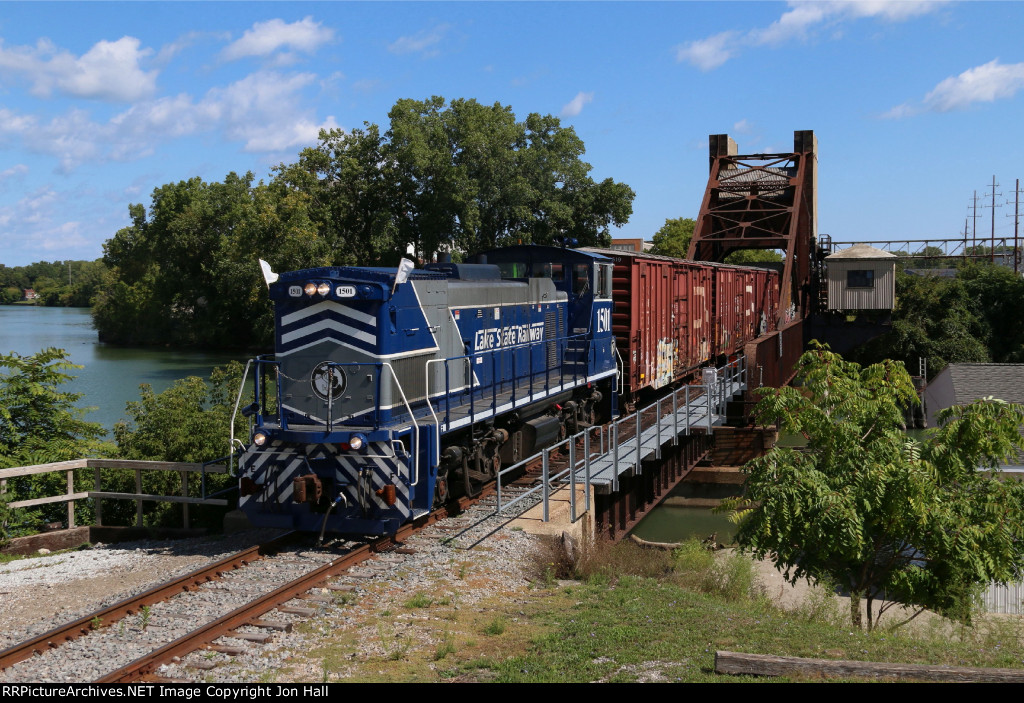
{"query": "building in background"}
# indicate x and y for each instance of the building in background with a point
(861, 278)
(960, 384)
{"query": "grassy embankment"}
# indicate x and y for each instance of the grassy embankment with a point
(633, 615)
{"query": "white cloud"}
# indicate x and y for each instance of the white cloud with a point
(709, 53)
(62, 237)
(424, 42)
(986, 83)
(259, 110)
(742, 127)
(801, 21)
(13, 171)
(267, 37)
(575, 106)
(262, 111)
(108, 71)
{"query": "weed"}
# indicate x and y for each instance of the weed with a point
(551, 562)
(385, 613)
(121, 628)
(145, 613)
(600, 562)
(325, 672)
(402, 647)
(446, 647)
(496, 626)
(420, 600)
(821, 605)
(343, 598)
(208, 655)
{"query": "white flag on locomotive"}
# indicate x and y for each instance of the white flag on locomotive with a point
(405, 267)
(268, 275)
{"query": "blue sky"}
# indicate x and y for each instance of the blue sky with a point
(915, 104)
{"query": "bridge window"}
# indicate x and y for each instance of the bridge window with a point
(860, 279)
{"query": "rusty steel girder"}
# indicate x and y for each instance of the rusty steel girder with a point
(764, 201)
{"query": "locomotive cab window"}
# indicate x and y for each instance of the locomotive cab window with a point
(603, 275)
(554, 271)
(512, 269)
(860, 279)
(581, 279)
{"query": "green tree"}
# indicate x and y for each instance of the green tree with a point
(188, 422)
(39, 424)
(454, 177)
(186, 271)
(975, 317)
(745, 257)
(867, 508)
(673, 239)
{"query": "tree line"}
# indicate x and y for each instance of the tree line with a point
(455, 178)
(975, 316)
(58, 283)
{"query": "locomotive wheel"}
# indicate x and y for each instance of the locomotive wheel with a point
(441, 493)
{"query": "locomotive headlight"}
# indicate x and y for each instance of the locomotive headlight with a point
(323, 288)
(259, 439)
(357, 441)
(310, 288)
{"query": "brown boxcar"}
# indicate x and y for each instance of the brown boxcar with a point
(672, 316)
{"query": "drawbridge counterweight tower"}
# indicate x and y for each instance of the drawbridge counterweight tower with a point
(764, 201)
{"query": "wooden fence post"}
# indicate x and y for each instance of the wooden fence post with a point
(184, 494)
(99, 501)
(138, 502)
(71, 503)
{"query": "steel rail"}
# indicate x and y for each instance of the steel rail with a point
(147, 665)
(84, 625)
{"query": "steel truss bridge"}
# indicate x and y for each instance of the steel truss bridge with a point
(999, 250)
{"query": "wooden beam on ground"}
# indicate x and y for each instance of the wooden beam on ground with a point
(767, 665)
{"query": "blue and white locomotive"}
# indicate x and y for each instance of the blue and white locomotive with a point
(390, 391)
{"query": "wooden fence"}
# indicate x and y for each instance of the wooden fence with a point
(98, 494)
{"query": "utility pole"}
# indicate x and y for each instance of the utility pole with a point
(992, 253)
(974, 228)
(1016, 225)
(965, 236)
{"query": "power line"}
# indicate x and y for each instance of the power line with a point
(1016, 224)
(992, 253)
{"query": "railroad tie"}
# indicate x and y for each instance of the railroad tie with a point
(227, 649)
(272, 625)
(258, 637)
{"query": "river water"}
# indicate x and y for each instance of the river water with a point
(111, 375)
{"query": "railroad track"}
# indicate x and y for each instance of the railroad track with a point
(231, 598)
